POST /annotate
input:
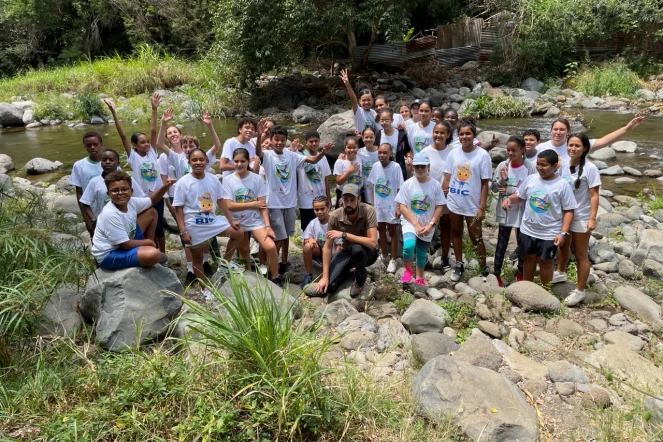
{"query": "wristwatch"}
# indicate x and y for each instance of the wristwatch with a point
(344, 235)
(565, 234)
(432, 223)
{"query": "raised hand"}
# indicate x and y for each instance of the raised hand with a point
(328, 147)
(344, 76)
(504, 174)
(167, 115)
(206, 118)
(295, 145)
(156, 101)
(635, 122)
(110, 104)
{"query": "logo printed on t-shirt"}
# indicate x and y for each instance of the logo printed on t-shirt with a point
(132, 229)
(512, 181)
(539, 201)
(419, 143)
(314, 175)
(321, 239)
(354, 179)
(282, 171)
(383, 187)
(461, 178)
(148, 171)
(205, 203)
(420, 203)
(244, 195)
(367, 166)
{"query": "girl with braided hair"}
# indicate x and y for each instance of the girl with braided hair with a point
(584, 178)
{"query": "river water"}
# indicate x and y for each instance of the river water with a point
(64, 144)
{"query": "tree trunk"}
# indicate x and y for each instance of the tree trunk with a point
(367, 52)
(352, 44)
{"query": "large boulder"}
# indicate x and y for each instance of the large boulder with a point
(305, 114)
(486, 137)
(531, 84)
(131, 306)
(479, 351)
(425, 316)
(334, 129)
(624, 146)
(66, 204)
(429, 345)
(627, 365)
(335, 312)
(606, 153)
(10, 115)
(252, 283)
(635, 301)
(40, 165)
(6, 162)
(651, 244)
(60, 316)
(532, 297)
(484, 404)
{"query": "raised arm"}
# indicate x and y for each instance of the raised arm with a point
(156, 100)
(165, 118)
(215, 137)
(320, 155)
(161, 191)
(118, 126)
(616, 135)
(351, 92)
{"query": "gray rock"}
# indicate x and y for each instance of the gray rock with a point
(625, 180)
(28, 117)
(602, 252)
(358, 322)
(382, 309)
(63, 184)
(358, 340)
(426, 346)
(635, 301)
(623, 248)
(627, 340)
(634, 213)
(486, 136)
(333, 130)
(66, 204)
(565, 388)
(40, 165)
(423, 316)
(480, 352)
(6, 162)
(6, 185)
(605, 204)
(607, 267)
(391, 335)
(624, 146)
(608, 222)
(552, 112)
(335, 312)
(490, 328)
(626, 269)
(497, 155)
(446, 386)
(516, 338)
(564, 371)
(628, 365)
(124, 302)
(653, 173)
(600, 165)
(651, 243)
(612, 171)
(398, 86)
(655, 406)
(305, 114)
(532, 297)
(96, 119)
(588, 104)
(542, 341)
(597, 324)
(632, 171)
(418, 93)
(531, 84)
(10, 115)
(646, 94)
(652, 268)
(564, 328)
(603, 154)
(60, 316)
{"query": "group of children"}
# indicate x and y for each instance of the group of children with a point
(423, 169)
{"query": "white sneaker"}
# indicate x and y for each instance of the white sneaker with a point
(263, 269)
(575, 297)
(559, 277)
(391, 268)
(255, 247)
(207, 295)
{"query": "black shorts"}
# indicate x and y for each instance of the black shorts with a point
(543, 248)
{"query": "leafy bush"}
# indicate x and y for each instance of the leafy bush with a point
(503, 106)
(54, 106)
(89, 104)
(614, 78)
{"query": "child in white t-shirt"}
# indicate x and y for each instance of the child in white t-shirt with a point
(349, 169)
(508, 177)
(85, 170)
(398, 122)
(532, 138)
(467, 173)
(246, 129)
(585, 181)
(369, 156)
(281, 166)
(364, 116)
(311, 179)
(420, 134)
(549, 205)
(96, 196)
(124, 226)
(420, 201)
(314, 236)
(384, 182)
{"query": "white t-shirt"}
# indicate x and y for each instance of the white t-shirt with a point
(515, 178)
(392, 140)
(420, 137)
(467, 170)
(364, 119)
(562, 152)
(421, 199)
(317, 231)
(165, 169)
(245, 190)
(398, 119)
(386, 182)
(311, 182)
(437, 160)
(590, 178)
(341, 166)
(198, 199)
(146, 171)
(229, 147)
(281, 178)
(115, 227)
(96, 194)
(367, 161)
(544, 202)
(83, 172)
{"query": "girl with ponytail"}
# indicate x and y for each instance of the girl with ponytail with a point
(584, 178)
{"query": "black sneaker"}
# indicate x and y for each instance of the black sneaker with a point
(445, 263)
(356, 290)
(207, 269)
(484, 273)
(190, 278)
(284, 267)
(279, 281)
(458, 272)
(514, 255)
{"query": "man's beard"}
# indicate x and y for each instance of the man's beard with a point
(350, 210)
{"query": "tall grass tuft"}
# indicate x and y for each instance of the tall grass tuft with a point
(613, 78)
(503, 106)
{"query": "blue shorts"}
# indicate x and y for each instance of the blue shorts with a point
(123, 259)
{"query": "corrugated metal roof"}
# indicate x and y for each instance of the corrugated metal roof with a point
(396, 55)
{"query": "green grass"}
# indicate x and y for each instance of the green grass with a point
(463, 318)
(503, 106)
(613, 77)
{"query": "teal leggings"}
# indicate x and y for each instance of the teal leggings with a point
(410, 241)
